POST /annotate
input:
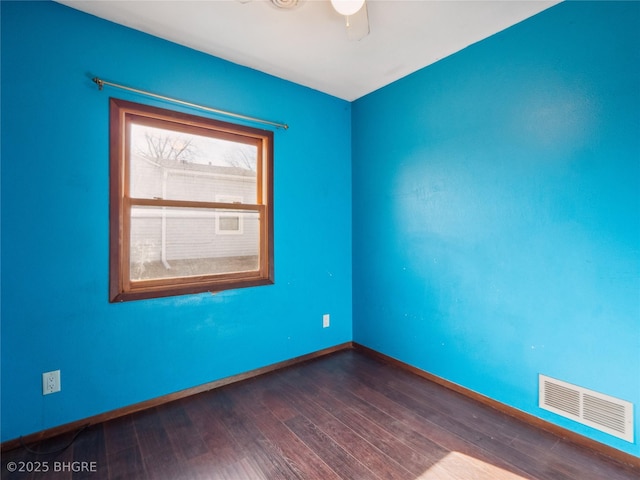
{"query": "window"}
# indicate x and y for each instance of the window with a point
(191, 204)
(228, 224)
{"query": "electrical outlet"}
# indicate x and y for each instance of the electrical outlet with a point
(50, 382)
(326, 320)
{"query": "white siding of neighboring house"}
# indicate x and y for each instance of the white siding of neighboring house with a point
(191, 234)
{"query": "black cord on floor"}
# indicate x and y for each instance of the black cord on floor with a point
(59, 450)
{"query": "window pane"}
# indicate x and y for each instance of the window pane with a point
(229, 223)
(173, 165)
(171, 242)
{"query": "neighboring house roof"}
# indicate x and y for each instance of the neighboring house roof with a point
(200, 167)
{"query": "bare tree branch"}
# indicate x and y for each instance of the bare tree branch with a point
(168, 147)
(243, 156)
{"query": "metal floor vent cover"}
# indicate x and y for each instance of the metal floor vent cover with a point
(602, 412)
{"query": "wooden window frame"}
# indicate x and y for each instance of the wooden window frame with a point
(121, 287)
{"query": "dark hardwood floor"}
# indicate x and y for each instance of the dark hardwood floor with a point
(342, 416)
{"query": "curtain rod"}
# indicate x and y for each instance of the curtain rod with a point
(101, 83)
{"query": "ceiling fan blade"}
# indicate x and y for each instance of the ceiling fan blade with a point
(358, 24)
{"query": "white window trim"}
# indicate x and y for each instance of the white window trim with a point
(229, 199)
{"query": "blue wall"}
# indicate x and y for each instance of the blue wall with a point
(55, 313)
(496, 199)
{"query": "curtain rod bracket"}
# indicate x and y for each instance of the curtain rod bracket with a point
(101, 83)
(98, 82)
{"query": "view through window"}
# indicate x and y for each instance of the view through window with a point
(191, 203)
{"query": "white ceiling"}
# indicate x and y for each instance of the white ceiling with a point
(309, 46)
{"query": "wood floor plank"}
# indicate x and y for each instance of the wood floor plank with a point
(302, 460)
(203, 410)
(492, 422)
(482, 439)
(571, 458)
(165, 465)
(244, 468)
(152, 437)
(347, 415)
(332, 453)
(251, 440)
(180, 430)
(393, 446)
(120, 434)
(422, 434)
(91, 447)
(278, 405)
(125, 464)
(527, 440)
(346, 437)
